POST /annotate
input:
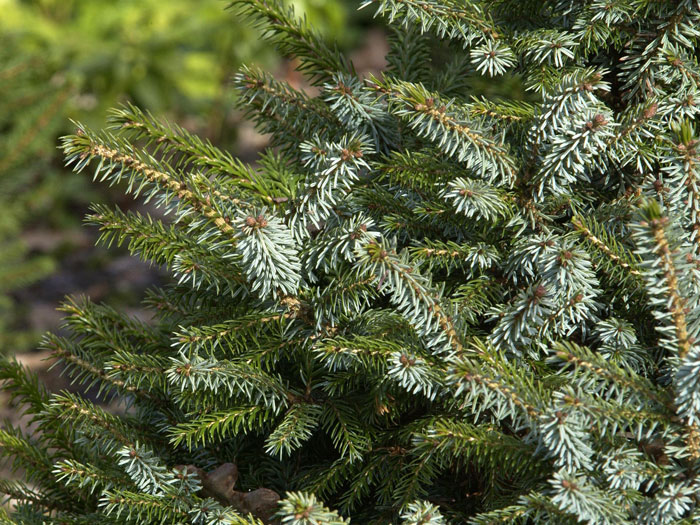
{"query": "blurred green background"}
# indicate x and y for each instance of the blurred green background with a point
(74, 59)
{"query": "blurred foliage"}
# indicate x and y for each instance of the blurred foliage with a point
(32, 104)
(174, 57)
(73, 59)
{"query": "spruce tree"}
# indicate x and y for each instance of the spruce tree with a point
(421, 305)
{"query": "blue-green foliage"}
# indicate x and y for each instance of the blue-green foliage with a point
(425, 305)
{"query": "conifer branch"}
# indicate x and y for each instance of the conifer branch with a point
(82, 148)
(657, 225)
(447, 18)
(295, 38)
(598, 243)
(449, 126)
